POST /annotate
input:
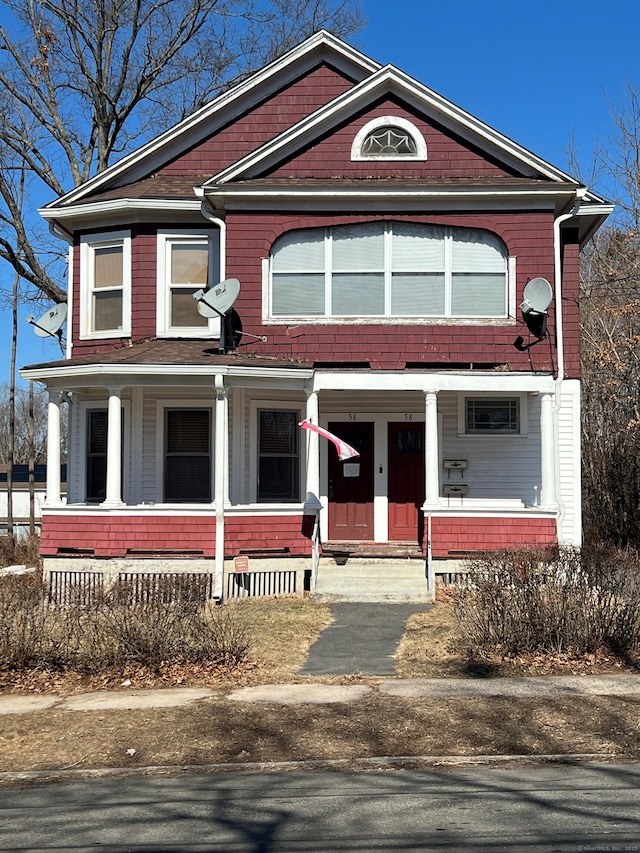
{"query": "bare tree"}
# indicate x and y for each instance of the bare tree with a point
(21, 439)
(84, 81)
(610, 312)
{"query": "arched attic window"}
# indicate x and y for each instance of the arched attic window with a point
(389, 138)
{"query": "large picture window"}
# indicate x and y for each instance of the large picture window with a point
(105, 285)
(394, 269)
(278, 455)
(187, 458)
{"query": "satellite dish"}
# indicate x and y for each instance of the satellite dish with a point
(49, 325)
(217, 300)
(537, 296)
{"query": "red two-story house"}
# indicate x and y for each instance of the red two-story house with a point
(382, 238)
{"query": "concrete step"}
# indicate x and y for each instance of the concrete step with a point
(370, 581)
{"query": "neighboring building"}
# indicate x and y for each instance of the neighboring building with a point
(382, 238)
(21, 509)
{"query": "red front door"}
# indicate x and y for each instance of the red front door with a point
(351, 485)
(406, 482)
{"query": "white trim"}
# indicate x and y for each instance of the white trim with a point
(401, 380)
(70, 298)
(474, 395)
(511, 287)
(120, 205)
(272, 406)
(388, 121)
(161, 406)
(88, 244)
(172, 510)
(166, 237)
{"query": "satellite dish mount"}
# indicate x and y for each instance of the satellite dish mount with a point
(536, 298)
(217, 301)
(50, 324)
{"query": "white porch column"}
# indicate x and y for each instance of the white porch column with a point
(220, 479)
(114, 449)
(548, 498)
(53, 449)
(431, 454)
(313, 453)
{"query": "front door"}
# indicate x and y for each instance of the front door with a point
(351, 485)
(406, 482)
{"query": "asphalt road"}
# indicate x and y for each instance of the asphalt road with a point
(523, 808)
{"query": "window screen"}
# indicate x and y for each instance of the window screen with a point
(488, 416)
(187, 471)
(278, 456)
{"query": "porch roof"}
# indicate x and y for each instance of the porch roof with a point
(160, 351)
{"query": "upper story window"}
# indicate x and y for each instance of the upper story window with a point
(389, 270)
(187, 262)
(105, 285)
(389, 138)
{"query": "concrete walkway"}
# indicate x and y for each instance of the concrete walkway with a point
(362, 638)
(316, 693)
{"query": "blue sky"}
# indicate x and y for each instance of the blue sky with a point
(540, 72)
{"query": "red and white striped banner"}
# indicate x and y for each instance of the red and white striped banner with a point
(345, 451)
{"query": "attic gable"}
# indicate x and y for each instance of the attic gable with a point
(389, 82)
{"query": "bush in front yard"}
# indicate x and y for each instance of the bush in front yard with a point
(116, 630)
(558, 601)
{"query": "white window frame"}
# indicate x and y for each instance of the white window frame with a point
(489, 434)
(103, 405)
(165, 239)
(161, 407)
(88, 245)
(387, 317)
(273, 406)
(389, 121)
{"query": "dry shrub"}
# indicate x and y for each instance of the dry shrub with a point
(558, 601)
(24, 551)
(116, 629)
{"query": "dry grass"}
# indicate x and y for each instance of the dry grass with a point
(424, 651)
(281, 631)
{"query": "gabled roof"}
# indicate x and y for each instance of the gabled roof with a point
(322, 46)
(133, 182)
(390, 81)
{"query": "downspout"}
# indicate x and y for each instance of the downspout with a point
(220, 481)
(222, 225)
(559, 325)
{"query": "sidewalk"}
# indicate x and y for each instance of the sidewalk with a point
(319, 694)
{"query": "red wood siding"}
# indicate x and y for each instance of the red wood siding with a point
(114, 536)
(570, 300)
(446, 155)
(262, 124)
(488, 534)
(529, 236)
